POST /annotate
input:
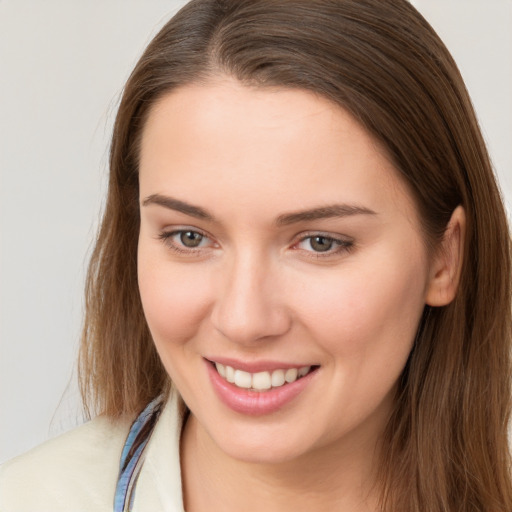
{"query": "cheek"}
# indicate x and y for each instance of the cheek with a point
(367, 309)
(173, 299)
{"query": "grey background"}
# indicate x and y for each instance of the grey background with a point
(62, 66)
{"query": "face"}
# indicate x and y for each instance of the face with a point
(278, 249)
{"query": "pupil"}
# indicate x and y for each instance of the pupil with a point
(321, 243)
(190, 238)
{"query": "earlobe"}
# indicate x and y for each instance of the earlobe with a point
(447, 263)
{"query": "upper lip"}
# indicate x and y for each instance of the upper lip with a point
(256, 366)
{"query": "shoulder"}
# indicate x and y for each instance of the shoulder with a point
(75, 471)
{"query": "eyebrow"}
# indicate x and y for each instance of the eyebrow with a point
(323, 212)
(179, 206)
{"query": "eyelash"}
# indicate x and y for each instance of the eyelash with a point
(341, 245)
(167, 239)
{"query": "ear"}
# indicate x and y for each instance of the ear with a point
(446, 266)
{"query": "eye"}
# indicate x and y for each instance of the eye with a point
(185, 240)
(321, 244)
(190, 238)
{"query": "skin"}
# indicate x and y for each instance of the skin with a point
(257, 290)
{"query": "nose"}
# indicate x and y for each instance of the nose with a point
(250, 305)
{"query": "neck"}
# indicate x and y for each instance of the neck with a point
(330, 478)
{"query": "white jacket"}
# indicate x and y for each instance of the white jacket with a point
(78, 471)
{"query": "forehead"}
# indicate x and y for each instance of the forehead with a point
(291, 147)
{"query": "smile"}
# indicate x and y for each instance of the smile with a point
(261, 381)
(262, 391)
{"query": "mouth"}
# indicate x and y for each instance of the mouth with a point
(266, 390)
(262, 381)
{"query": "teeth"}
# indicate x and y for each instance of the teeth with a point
(243, 379)
(261, 381)
(304, 371)
(230, 374)
(291, 375)
(278, 378)
(221, 369)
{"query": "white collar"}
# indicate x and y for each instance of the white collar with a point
(159, 483)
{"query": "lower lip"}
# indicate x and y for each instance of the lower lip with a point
(256, 403)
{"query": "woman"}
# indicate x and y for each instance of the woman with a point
(304, 235)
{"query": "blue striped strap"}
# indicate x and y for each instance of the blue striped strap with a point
(132, 456)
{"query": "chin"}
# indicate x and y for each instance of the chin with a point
(262, 444)
(269, 454)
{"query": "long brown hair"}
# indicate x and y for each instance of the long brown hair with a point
(445, 448)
